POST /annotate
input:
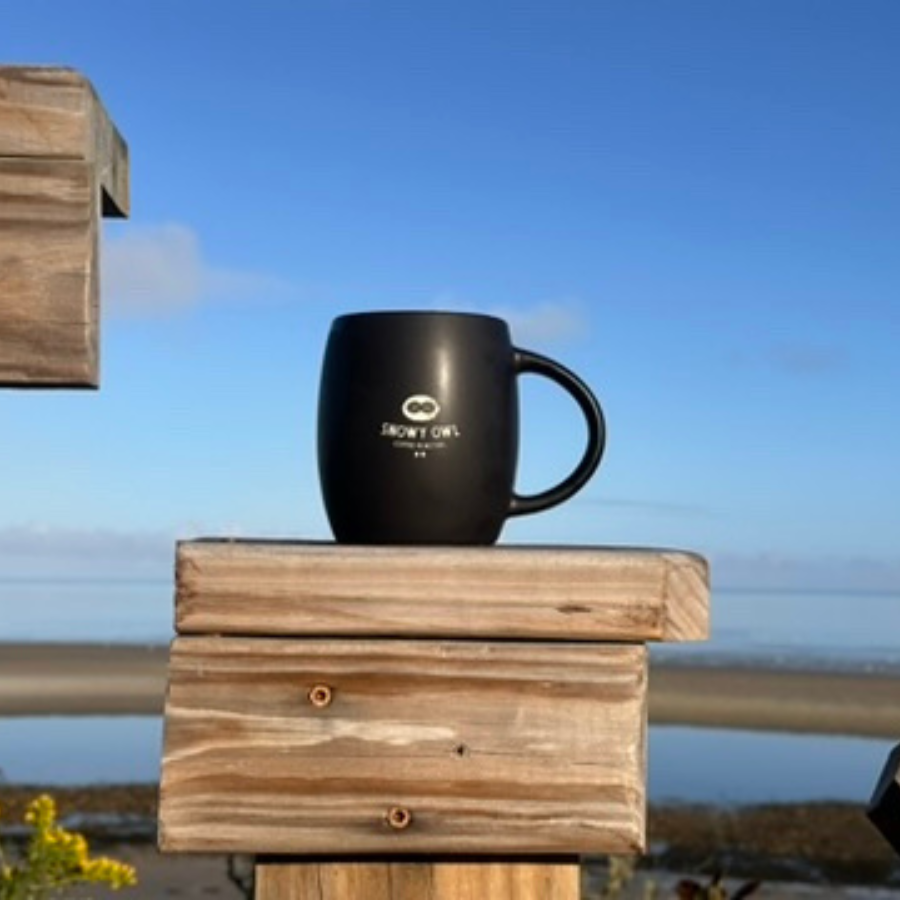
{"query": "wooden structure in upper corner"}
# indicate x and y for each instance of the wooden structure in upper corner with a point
(415, 722)
(63, 165)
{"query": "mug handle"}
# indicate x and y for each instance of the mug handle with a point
(526, 361)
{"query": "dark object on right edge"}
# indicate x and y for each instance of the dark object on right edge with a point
(884, 807)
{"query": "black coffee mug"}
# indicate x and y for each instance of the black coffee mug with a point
(419, 428)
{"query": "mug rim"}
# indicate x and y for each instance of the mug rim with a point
(420, 313)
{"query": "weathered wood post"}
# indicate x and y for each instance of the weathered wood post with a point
(63, 164)
(390, 723)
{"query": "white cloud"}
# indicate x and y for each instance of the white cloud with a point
(544, 323)
(794, 358)
(662, 507)
(161, 269)
(805, 359)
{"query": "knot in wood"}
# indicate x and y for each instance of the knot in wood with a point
(320, 695)
(399, 817)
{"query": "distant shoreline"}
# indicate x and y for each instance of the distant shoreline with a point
(129, 679)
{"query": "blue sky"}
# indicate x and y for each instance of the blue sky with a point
(694, 205)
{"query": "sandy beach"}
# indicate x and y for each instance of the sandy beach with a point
(84, 679)
(861, 704)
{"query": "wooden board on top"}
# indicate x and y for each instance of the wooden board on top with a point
(564, 593)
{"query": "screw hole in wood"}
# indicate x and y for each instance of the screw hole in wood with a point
(399, 818)
(320, 696)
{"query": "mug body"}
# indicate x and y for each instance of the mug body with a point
(418, 428)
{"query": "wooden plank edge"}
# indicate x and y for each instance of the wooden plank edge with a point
(686, 592)
(681, 593)
(110, 155)
(96, 139)
(628, 839)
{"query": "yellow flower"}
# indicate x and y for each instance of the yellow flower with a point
(117, 875)
(55, 859)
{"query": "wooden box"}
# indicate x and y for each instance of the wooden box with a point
(345, 700)
(63, 164)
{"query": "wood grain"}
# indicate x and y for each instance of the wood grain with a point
(62, 165)
(48, 286)
(418, 881)
(54, 113)
(581, 593)
(417, 747)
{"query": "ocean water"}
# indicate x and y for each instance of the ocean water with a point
(840, 630)
(77, 750)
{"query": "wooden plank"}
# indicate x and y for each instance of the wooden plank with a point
(359, 746)
(55, 113)
(63, 164)
(48, 280)
(582, 593)
(557, 880)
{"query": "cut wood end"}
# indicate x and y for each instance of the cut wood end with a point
(686, 597)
